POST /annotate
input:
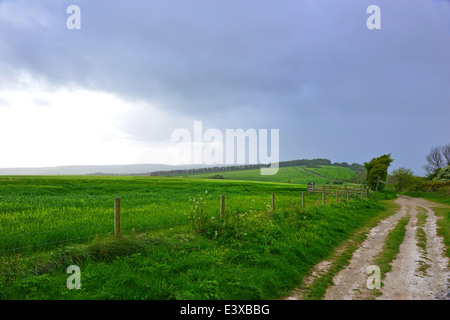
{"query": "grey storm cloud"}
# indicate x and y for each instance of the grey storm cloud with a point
(301, 66)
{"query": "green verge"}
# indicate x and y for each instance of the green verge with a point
(250, 255)
(441, 195)
(443, 223)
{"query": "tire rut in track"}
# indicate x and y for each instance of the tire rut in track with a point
(404, 281)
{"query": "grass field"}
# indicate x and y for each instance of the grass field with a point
(36, 211)
(333, 172)
(298, 175)
(180, 247)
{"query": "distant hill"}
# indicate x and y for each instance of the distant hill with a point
(171, 170)
(308, 163)
(292, 174)
(96, 170)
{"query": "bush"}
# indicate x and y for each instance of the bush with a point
(403, 179)
(217, 176)
(443, 174)
(431, 186)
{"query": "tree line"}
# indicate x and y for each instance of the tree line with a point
(437, 168)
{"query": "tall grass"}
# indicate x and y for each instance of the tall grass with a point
(37, 213)
(251, 253)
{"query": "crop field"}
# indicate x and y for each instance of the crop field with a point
(332, 172)
(43, 212)
(298, 175)
(174, 244)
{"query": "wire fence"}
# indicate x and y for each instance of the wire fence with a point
(28, 228)
(32, 225)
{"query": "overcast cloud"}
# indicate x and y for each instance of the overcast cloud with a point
(311, 69)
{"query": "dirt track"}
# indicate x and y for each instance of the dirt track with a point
(406, 280)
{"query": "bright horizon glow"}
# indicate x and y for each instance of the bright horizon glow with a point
(73, 126)
(69, 126)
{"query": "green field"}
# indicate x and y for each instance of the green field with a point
(39, 212)
(297, 175)
(333, 172)
(174, 244)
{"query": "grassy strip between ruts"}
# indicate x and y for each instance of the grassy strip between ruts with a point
(342, 256)
(421, 237)
(261, 255)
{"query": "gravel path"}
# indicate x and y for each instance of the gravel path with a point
(406, 280)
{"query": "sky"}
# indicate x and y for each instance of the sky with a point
(114, 90)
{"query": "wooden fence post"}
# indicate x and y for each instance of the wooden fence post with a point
(273, 201)
(117, 231)
(323, 196)
(222, 206)
(303, 199)
(376, 188)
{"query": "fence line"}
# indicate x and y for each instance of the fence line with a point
(116, 226)
(52, 218)
(52, 242)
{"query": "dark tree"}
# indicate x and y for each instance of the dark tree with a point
(438, 158)
(446, 153)
(377, 167)
(434, 159)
